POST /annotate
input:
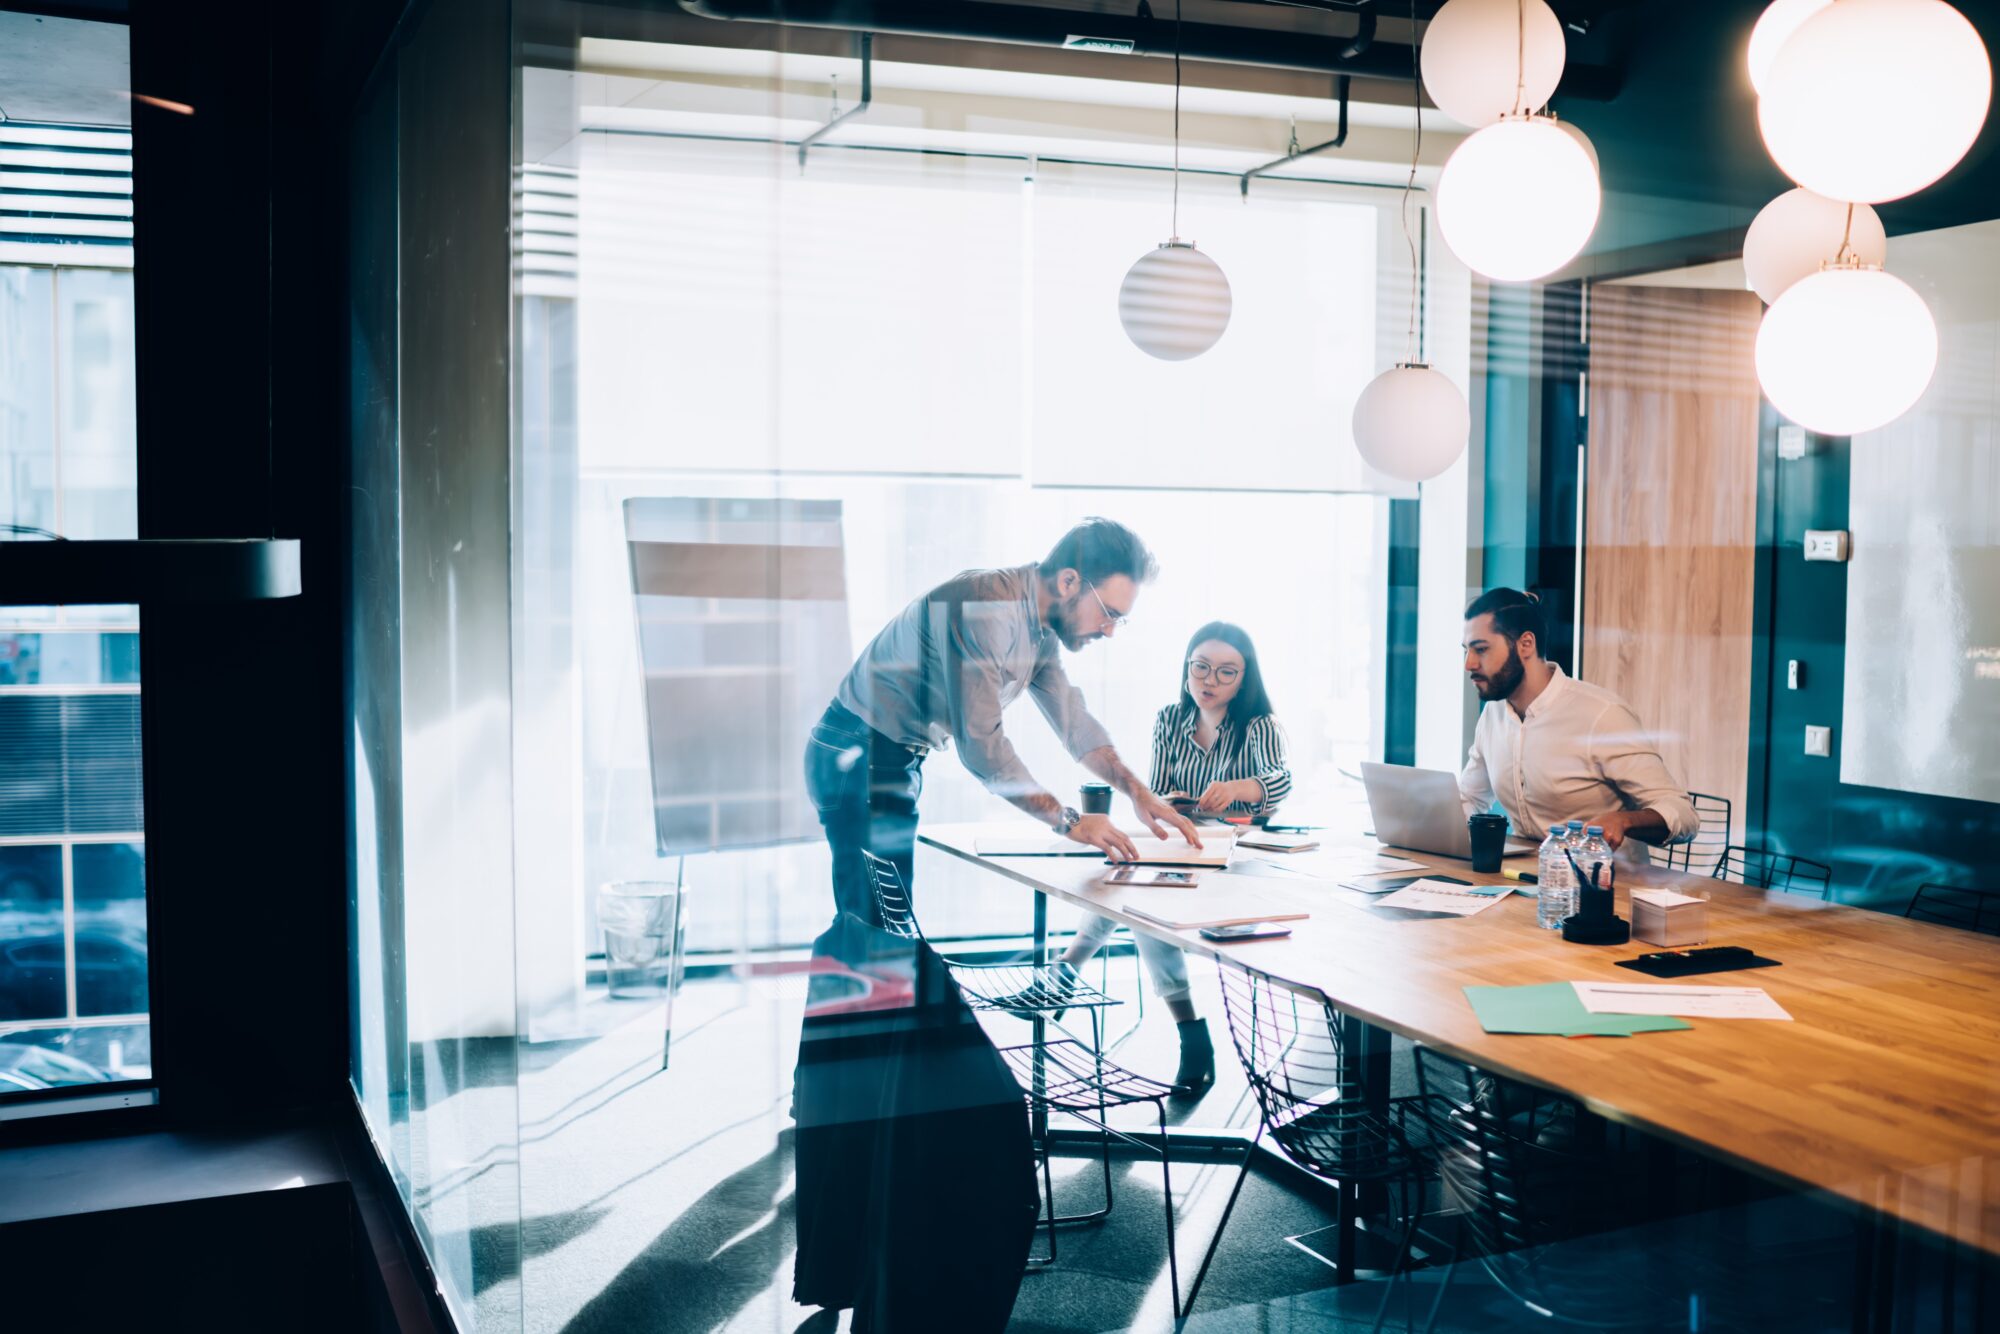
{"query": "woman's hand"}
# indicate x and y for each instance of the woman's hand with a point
(1218, 797)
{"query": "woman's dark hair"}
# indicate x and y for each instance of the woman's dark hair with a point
(1252, 701)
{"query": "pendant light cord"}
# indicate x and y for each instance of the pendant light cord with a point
(1177, 120)
(1413, 354)
(1520, 53)
(1845, 254)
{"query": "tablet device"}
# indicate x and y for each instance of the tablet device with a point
(1246, 931)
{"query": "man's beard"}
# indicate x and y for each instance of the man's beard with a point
(1062, 620)
(1505, 681)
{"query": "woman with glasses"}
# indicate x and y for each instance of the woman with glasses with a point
(1218, 744)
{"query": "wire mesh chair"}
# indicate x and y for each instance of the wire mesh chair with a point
(1957, 905)
(1034, 991)
(1760, 868)
(1699, 854)
(1295, 1053)
(1538, 1200)
(1025, 988)
(1065, 1076)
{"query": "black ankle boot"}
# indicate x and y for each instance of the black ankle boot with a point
(1197, 1070)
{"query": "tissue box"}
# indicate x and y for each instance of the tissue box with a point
(1669, 917)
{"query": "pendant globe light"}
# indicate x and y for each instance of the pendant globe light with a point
(1459, 70)
(1848, 349)
(1411, 422)
(1175, 301)
(1780, 19)
(1799, 231)
(1872, 100)
(1518, 199)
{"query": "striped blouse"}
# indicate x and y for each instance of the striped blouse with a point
(1181, 765)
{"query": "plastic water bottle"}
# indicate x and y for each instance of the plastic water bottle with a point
(1554, 897)
(1595, 857)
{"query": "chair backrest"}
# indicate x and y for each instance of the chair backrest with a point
(1699, 854)
(892, 902)
(1957, 905)
(1535, 1187)
(1761, 868)
(1294, 1054)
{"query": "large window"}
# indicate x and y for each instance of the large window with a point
(73, 950)
(73, 941)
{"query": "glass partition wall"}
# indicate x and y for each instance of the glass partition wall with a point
(580, 979)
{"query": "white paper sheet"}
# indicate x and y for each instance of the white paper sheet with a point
(1430, 895)
(1689, 1002)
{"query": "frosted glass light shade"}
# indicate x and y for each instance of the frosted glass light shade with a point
(1846, 350)
(1175, 302)
(1797, 232)
(1780, 19)
(1411, 422)
(1468, 58)
(1518, 199)
(1872, 100)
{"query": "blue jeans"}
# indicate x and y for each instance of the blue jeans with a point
(865, 788)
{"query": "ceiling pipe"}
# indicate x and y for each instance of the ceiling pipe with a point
(1140, 34)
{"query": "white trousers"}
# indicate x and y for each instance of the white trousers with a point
(1165, 964)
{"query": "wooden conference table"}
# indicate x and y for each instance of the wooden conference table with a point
(1884, 1089)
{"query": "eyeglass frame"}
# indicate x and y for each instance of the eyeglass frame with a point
(1113, 621)
(1211, 672)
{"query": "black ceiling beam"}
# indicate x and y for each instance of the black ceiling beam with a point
(1143, 33)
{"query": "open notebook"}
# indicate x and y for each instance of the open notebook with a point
(1217, 845)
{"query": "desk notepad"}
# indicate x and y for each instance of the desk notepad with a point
(1216, 848)
(1436, 894)
(1554, 1008)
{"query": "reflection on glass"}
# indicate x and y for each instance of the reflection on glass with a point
(99, 432)
(73, 659)
(27, 402)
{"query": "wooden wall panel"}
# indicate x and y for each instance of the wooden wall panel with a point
(1670, 525)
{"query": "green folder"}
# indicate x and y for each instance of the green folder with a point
(1553, 1007)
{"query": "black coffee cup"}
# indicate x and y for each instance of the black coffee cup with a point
(1096, 798)
(1489, 840)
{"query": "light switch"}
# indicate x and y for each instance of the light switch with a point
(1791, 442)
(1819, 741)
(1795, 674)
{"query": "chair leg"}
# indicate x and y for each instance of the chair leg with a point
(1048, 1209)
(1167, 1194)
(1350, 1197)
(1103, 1113)
(1412, 1217)
(1242, 1175)
(1450, 1272)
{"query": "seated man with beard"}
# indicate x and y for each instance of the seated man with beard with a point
(1553, 748)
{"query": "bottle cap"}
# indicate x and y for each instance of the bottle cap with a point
(1576, 825)
(1595, 830)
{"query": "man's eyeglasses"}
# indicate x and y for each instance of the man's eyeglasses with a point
(1222, 676)
(1112, 619)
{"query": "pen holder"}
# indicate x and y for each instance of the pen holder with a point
(1595, 922)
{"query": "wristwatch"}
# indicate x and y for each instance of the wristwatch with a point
(1067, 820)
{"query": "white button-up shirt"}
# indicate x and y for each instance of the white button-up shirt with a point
(1578, 753)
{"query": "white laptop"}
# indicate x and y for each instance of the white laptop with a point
(1420, 809)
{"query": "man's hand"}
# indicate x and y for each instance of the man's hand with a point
(1218, 797)
(1615, 823)
(1097, 831)
(1155, 813)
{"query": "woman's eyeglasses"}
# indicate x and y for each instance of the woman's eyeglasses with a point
(1222, 676)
